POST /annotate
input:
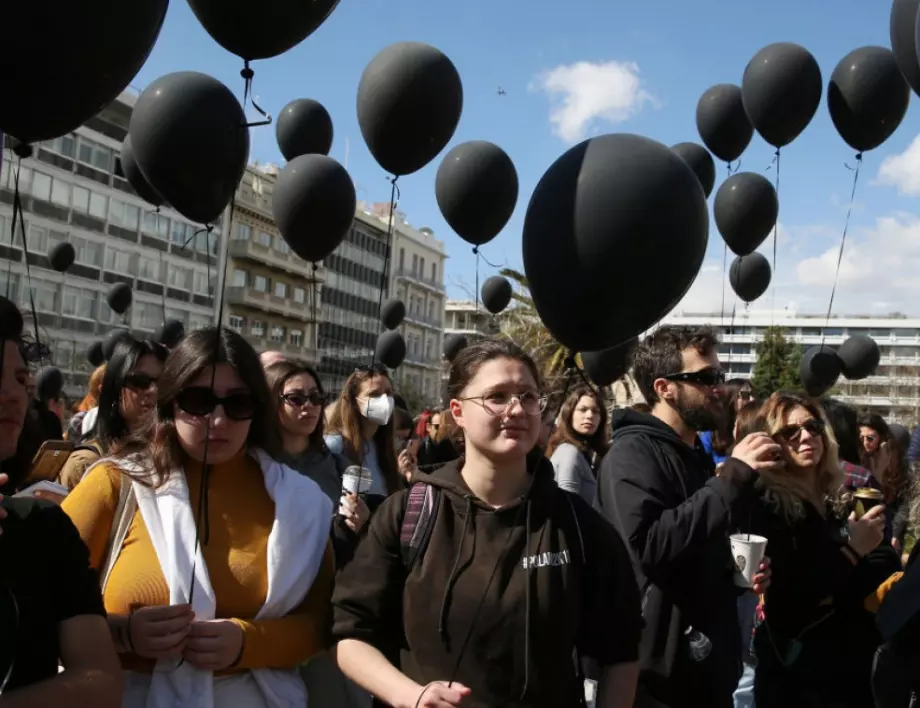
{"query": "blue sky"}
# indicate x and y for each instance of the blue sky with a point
(678, 48)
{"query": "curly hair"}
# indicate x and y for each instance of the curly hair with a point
(660, 354)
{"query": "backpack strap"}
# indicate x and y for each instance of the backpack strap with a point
(418, 520)
(121, 523)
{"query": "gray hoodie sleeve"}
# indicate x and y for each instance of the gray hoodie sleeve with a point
(568, 463)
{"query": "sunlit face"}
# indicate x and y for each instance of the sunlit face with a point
(697, 395)
(745, 396)
(586, 418)
(869, 438)
(199, 428)
(14, 400)
(372, 387)
(139, 394)
(301, 405)
(433, 425)
(500, 410)
(803, 446)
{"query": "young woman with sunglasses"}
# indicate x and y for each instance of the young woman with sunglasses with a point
(218, 586)
(127, 394)
(816, 644)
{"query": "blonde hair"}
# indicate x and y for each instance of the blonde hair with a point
(781, 490)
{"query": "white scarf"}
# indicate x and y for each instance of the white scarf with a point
(296, 546)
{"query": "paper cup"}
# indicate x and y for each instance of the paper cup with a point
(748, 552)
(356, 480)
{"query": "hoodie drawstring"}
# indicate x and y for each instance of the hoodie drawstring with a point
(527, 582)
(452, 578)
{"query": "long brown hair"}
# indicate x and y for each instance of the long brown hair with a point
(278, 375)
(346, 421)
(565, 433)
(157, 441)
(892, 477)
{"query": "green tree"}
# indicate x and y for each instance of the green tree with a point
(777, 366)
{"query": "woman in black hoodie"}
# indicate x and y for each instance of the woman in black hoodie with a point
(485, 581)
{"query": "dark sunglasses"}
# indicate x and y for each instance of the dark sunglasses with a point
(200, 401)
(434, 425)
(745, 395)
(299, 398)
(706, 377)
(814, 426)
(140, 381)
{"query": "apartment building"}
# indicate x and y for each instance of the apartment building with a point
(465, 317)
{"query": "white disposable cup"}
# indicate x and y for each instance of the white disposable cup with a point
(747, 552)
(357, 480)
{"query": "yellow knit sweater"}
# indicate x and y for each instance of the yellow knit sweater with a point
(241, 517)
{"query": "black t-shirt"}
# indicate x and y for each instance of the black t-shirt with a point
(45, 579)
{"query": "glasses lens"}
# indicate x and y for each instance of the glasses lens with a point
(197, 401)
(239, 406)
(814, 426)
(296, 399)
(532, 402)
(317, 398)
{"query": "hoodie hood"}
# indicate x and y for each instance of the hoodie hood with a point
(629, 422)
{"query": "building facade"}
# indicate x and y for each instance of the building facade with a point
(72, 189)
(893, 391)
(416, 276)
(465, 317)
(272, 294)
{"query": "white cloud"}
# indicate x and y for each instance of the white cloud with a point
(585, 93)
(903, 171)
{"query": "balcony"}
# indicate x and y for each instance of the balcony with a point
(266, 302)
(265, 255)
(423, 321)
(431, 363)
(413, 276)
(303, 353)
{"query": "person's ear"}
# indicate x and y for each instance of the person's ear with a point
(664, 389)
(456, 411)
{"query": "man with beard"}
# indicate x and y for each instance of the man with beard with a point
(657, 486)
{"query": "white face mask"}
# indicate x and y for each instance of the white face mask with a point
(379, 409)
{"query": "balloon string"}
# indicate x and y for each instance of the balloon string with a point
(776, 161)
(313, 306)
(476, 253)
(843, 240)
(734, 170)
(248, 74)
(394, 200)
(162, 270)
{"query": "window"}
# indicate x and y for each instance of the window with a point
(265, 239)
(119, 261)
(257, 328)
(199, 321)
(79, 303)
(278, 333)
(428, 349)
(65, 145)
(60, 193)
(98, 204)
(41, 186)
(260, 283)
(402, 258)
(243, 232)
(162, 227)
(92, 153)
(237, 323)
(296, 338)
(149, 268)
(431, 312)
(281, 245)
(45, 294)
(281, 289)
(149, 223)
(148, 315)
(434, 272)
(421, 268)
(239, 278)
(179, 278)
(299, 296)
(414, 264)
(37, 240)
(178, 232)
(11, 279)
(201, 283)
(80, 197)
(88, 252)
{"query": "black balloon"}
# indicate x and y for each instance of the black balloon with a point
(135, 177)
(314, 205)
(605, 367)
(304, 127)
(391, 349)
(700, 161)
(116, 336)
(409, 103)
(477, 190)
(89, 54)
(62, 256)
(867, 97)
(902, 29)
(119, 297)
(722, 123)
(453, 345)
(190, 140)
(95, 354)
(392, 313)
(601, 214)
(170, 333)
(781, 89)
(749, 276)
(745, 210)
(819, 370)
(48, 383)
(263, 29)
(496, 294)
(859, 357)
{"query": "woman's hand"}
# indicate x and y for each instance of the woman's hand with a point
(214, 645)
(764, 577)
(408, 463)
(438, 694)
(759, 452)
(159, 632)
(355, 511)
(866, 532)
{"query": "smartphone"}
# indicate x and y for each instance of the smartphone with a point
(49, 461)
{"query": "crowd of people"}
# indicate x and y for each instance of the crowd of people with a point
(210, 528)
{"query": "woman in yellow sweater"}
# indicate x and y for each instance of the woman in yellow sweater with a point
(216, 564)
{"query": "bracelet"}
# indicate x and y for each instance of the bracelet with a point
(422, 694)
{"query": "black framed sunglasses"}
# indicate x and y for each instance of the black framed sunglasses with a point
(140, 381)
(200, 401)
(299, 399)
(814, 426)
(705, 377)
